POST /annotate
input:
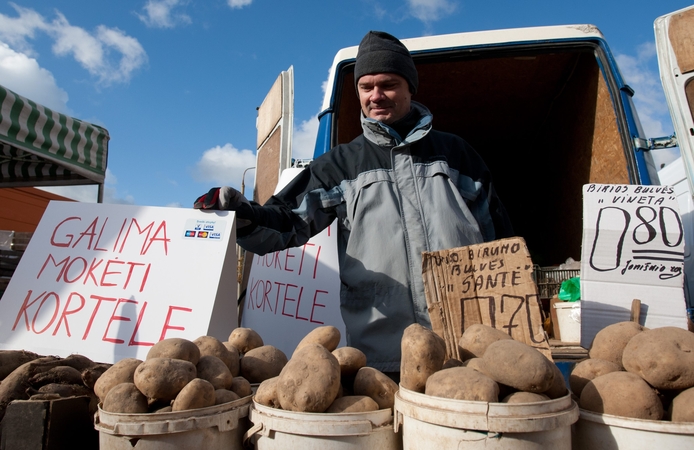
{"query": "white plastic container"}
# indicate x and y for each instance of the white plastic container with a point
(440, 423)
(276, 429)
(569, 318)
(219, 427)
(595, 431)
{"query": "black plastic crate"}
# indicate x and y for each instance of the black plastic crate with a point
(549, 279)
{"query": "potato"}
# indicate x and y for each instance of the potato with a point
(524, 397)
(353, 404)
(682, 406)
(91, 374)
(350, 359)
(177, 348)
(608, 344)
(310, 381)
(58, 374)
(476, 364)
(214, 370)
(621, 394)
(266, 394)
(462, 383)
(518, 365)
(422, 353)
(163, 409)
(245, 339)
(558, 388)
(224, 396)
(452, 362)
(476, 338)
(198, 393)
(64, 390)
(241, 387)
(328, 336)
(11, 359)
(125, 398)
(120, 372)
(163, 378)
(664, 357)
(261, 363)
(377, 385)
(210, 345)
(587, 370)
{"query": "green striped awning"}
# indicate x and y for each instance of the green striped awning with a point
(40, 147)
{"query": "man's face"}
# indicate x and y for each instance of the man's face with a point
(384, 97)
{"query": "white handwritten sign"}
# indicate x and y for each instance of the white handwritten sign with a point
(633, 248)
(109, 281)
(294, 291)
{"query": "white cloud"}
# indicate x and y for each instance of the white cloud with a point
(225, 166)
(108, 53)
(304, 139)
(430, 10)
(237, 4)
(160, 14)
(16, 31)
(23, 75)
(640, 72)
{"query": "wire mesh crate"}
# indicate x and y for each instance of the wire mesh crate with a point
(549, 279)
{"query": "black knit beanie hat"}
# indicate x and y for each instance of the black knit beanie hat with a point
(380, 52)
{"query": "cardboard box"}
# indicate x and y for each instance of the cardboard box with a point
(488, 283)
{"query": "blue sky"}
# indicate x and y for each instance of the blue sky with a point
(177, 82)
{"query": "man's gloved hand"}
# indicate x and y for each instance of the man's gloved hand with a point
(225, 198)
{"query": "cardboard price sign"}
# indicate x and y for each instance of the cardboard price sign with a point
(633, 249)
(109, 281)
(488, 283)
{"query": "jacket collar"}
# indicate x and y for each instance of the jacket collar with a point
(385, 136)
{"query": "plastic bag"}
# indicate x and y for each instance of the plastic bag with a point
(570, 290)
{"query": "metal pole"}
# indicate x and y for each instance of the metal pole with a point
(240, 253)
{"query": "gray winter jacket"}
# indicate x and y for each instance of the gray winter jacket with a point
(392, 199)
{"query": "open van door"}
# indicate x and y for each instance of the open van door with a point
(674, 35)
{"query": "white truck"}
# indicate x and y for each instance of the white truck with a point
(548, 110)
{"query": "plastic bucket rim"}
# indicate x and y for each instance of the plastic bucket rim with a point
(521, 417)
(661, 426)
(378, 418)
(493, 408)
(106, 419)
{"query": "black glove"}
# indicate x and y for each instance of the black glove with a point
(225, 198)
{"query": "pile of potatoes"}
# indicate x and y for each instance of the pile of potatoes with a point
(494, 367)
(322, 378)
(26, 375)
(638, 373)
(179, 374)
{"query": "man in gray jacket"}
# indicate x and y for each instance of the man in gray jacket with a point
(399, 189)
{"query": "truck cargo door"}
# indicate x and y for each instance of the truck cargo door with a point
(674, 35)
(274, 144)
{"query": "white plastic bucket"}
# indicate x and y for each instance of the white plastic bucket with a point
(212, 428)
(569, 319)
(607, 432)
(440, 423)
(278, 429)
